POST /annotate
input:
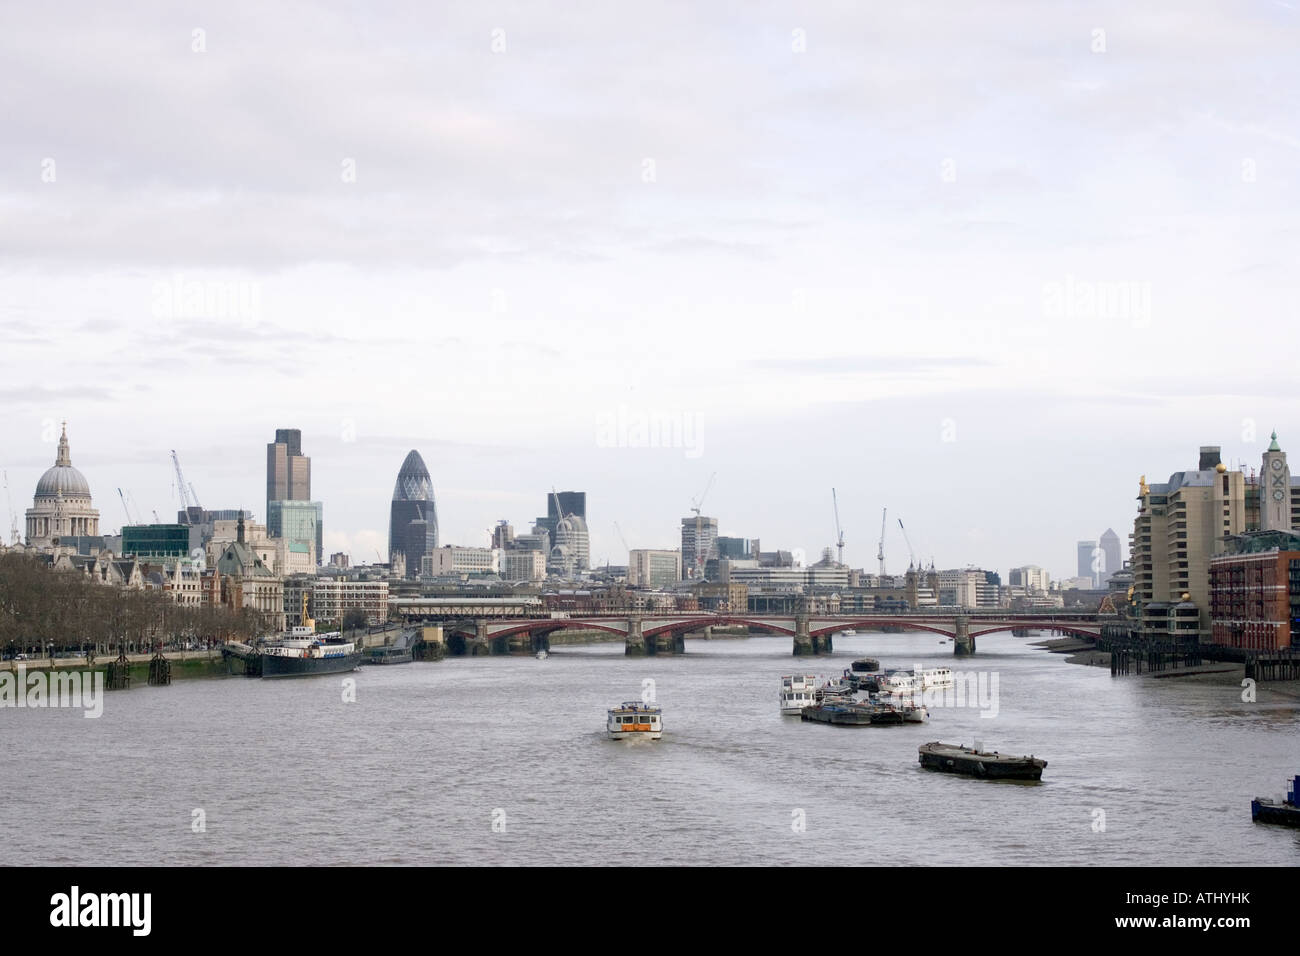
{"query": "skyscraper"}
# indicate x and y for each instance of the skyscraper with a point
(1109, 545)
(288, 478)
(699, 544)
(1085, 552)
(288, 470)
(571, 502)
(413, 518)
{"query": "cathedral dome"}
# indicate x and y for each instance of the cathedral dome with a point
(62, 478)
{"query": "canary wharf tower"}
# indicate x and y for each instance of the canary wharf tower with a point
(413, 521)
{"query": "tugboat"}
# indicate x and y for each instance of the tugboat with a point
(634, 719)
(1284, 812)
(974, 762)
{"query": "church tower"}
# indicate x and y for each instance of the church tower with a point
(1275, 490)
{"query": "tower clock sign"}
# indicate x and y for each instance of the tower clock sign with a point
(1275, 490)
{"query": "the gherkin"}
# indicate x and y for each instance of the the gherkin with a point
(413, 520)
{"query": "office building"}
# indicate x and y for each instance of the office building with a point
(1112, 554)
(647, 568)
(297, 522)
(1180, 526)
(456, 560)
(413, 516)
(1088, 560)
(568, 502)
(333, 597)
(699, 544)
(156, 542)
(1255, 591)
(523, 565)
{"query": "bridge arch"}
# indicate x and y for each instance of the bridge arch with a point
(881, 622)
(713, 621)
(1078, 630)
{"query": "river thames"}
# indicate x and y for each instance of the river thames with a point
(496, 760)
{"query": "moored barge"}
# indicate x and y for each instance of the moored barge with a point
(845, 714)
(951, 758)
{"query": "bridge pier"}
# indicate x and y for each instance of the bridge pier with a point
(806, 644)
(962, 642)
(636, 642)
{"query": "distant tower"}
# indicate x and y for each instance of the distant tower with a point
(413, 518)
(1085, 553)
(1109, 545)
(1275, 490)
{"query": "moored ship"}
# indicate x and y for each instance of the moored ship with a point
(974, 762)
(310, 656)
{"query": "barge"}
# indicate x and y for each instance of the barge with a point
(951, 758)
(845, 714)
(1283, 812)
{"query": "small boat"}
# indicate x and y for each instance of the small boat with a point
(797, 692)
(1284, 812)
(974, 762)
(634, 719)
(542, 655)
(845, 713)
(914, 713)
(865, 665)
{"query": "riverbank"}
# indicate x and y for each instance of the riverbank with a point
(1218, 673)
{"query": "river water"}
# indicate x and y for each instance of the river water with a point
(494, 760)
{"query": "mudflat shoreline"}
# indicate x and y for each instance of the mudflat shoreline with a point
(1222, 673)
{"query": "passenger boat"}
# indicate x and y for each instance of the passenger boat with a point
(797, 692)
(853, 714)
(914, 681)
(1284, 812)
(633, 720)
(974, 762)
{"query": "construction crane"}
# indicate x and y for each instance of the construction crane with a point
(184, 488)
(910, 550)
(839, 532)
(696, 505)
(130, 519)
(13, 515)
(621, 538)
(880, 549)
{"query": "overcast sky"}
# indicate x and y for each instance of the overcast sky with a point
(982, 264)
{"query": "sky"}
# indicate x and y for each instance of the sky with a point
(979, 265)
